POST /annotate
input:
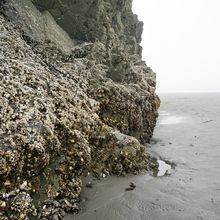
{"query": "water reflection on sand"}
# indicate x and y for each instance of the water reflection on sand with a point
(167, 119)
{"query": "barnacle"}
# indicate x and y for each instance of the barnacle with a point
(65, 114)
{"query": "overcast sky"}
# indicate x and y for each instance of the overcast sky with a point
(181, 42)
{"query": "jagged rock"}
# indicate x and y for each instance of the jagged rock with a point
(38, 26)
(110, 22)
(66, 107)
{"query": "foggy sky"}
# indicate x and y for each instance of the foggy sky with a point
(181, 42)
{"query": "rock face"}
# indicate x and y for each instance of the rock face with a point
(75, 97)
(110, 22)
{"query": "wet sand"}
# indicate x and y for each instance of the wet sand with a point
(188, 136)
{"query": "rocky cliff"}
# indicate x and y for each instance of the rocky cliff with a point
(75, 98)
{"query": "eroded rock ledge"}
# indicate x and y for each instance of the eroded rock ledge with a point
(75, 96)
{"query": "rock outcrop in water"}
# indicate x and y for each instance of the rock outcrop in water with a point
(75, 98)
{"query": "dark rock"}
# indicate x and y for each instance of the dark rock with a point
(131, 187)
(89, 185)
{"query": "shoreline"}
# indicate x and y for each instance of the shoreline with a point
(191, 191)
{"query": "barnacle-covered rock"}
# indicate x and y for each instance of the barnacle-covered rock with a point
(21, 206)
(66, 109)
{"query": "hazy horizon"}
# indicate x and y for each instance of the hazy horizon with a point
(181, 43)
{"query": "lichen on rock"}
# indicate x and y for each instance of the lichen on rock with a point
(75, 97)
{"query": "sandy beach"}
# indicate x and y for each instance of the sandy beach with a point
(187, 136)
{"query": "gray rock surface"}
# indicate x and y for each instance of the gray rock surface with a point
(36, 25)
(111, 22)
(68, 100)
